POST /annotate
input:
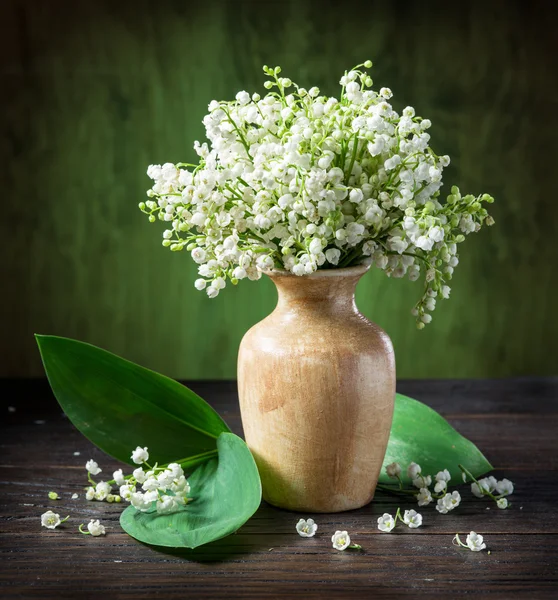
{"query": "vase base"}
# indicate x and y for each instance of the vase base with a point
(318, 507)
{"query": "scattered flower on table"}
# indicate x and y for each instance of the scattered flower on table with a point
(502, 503)
(53, 496)
(412, 518)
(94, 528)
(386, 523)
(92, 467)
(341, 540)
(306, 528)
(474, 542)
(51, 520)
(74, 496)
(77, 453)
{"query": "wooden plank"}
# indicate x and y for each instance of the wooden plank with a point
(36, 458)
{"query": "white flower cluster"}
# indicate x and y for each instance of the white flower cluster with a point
(164, 487)
(446, 501)
(101, 491)
(300, 181)
(491, 487)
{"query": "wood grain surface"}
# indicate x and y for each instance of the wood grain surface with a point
(514, 422)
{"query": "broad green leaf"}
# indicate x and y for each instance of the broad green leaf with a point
(419, 434)
(226, 492)
(119, 405)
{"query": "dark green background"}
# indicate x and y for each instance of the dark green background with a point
(92, 94)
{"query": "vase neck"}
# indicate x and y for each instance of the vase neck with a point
(331, 291)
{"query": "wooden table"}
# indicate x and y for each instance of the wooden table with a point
(514, 422)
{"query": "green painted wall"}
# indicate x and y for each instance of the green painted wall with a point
(94, 93)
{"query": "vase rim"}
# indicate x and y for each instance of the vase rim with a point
(321, 273)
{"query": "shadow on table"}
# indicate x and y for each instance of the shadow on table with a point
(232, 547)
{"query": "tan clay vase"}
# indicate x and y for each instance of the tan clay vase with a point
(316, 382)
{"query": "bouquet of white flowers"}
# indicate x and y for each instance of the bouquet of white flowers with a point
(299, 181)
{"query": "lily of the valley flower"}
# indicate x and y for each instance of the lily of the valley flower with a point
(386, 523)
(475, 542)
(306, 528)
(140, 455)
(51, 520)
(119, 478)
(422, 482)
(94, 528)
(412, 518)
(393, 470)
(424, 497)
(413, 470)
(448, 502)
(502, 503)
(442, 480)
(102, 490)
(489, 486)
(341, 540)
(504, 487)
(92, 467)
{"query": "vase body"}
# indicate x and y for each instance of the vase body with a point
(316, 383)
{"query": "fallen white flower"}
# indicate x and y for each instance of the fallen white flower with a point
(341, 540)
(95, 528)
(386, 523)
(412, 518)
(51, 520)
(306, 528)
(475, 542)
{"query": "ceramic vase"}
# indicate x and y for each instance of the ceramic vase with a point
(316, 382)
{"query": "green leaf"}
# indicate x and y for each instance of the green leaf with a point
(226, 492)
(119, 405)
(419, 434)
